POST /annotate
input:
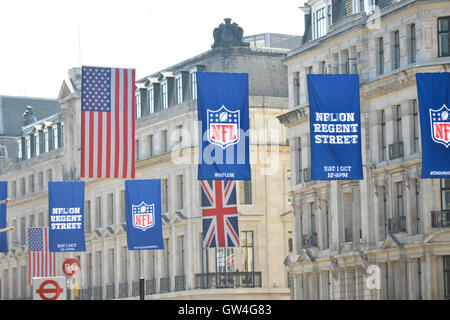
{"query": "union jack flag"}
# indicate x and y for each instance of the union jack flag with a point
(220, 216)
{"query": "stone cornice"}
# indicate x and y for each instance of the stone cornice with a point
(400, 79)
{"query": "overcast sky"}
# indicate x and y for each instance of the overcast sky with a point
(41, 39)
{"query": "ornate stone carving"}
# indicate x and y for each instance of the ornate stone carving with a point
(228, 35)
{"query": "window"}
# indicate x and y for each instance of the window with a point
(151, 99)
(22, 186)
(416, 125)
(383, 136)
(55, 137)
(412, 43)
(136, 149)
(164, 196)
(41, 180)
(446, 277)
(31, 183)
(98, 212)
(179, 89)
(32, 224)
(138, 104)
(22, 231)
(193, 84)
(13, 189)
(180, 192)
(396, 50)
(41, 219)
(166, 259)
(164, 95)
(27, 147)
(123, 211)
(19, 149)
(380, 56)
(87, 218)
(181, 264)
(61, 134)
(445, 194)
(399, 194)
(110, 211)
(398, 113)
(321, 22)
(205, 260)
(164, 146)
(46, 141)
(36, 143)
(312, 218)
(247, 251)
(224, 260)
(444, 36)
(245, 192)
(180, 135)
(49, 175)
(150, 146)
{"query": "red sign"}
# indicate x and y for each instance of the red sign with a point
(51, 287)
(71, 266)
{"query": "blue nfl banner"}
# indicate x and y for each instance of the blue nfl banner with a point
(433, 90)
(3, 196)
(66, 216)
(223, 112)
(334, 114)
(144, 224)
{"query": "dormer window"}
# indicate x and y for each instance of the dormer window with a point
(27, 147)
(179, 89)
(138, 104)
(19, 149)
(151, 99)
(46, 141)
(36, 143)
(55, 137)
(193, 83)
(164, 95)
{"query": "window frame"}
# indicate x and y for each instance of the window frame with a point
(443, 32)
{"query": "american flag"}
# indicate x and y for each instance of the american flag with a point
(41, 262)
(220, 216)
(107, 122)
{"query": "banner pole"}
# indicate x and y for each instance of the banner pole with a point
(141, 280)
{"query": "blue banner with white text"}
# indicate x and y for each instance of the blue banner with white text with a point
(433, 90)
(223, 112)
(334, 112)
(66, 216)
(144, 223)
(3, 196)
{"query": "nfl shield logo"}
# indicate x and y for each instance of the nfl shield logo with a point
(223, 127)
(440, 125)
(143, 216)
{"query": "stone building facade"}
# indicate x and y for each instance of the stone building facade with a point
(166, 143)
(387, 236)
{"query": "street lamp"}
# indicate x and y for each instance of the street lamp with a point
(8, 229)
(7, 201)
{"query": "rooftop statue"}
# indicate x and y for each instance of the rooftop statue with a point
(228, 35)
(28, 116)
